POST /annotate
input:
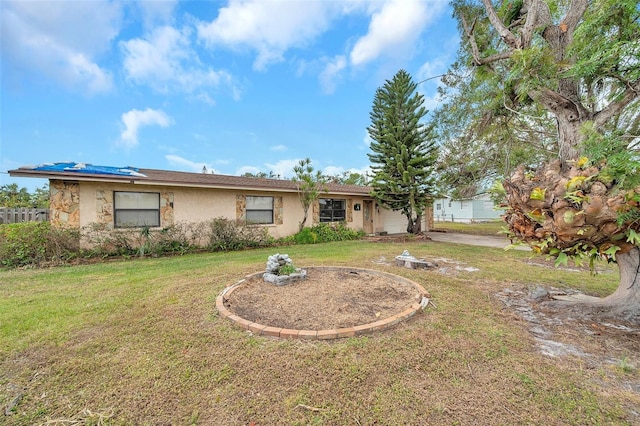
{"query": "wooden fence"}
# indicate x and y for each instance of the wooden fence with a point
(23, 214)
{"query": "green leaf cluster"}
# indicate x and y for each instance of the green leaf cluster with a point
(34, 243)
(618, 163)
(310, 184)
(12, 196)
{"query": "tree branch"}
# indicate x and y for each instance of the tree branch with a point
(494, 58)
(574, 15)
(630, 94)
(529, 26)
(475, 51)
(506, 35)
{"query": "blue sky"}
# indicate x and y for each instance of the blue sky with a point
(236, 86)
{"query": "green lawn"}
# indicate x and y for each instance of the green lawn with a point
(493, 227)
(140, 342)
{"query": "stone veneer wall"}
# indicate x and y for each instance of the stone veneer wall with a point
(315, 212)
(64, 204)
(104, 206)
(278, 208)
(166, 209)
(241, 207)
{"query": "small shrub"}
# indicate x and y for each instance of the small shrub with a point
(104, 240)
(326, 232)
(286, 269)
(178, 238)
(225, 235)
(306, 236)
(33, 243)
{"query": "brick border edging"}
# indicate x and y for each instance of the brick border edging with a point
(380, 325)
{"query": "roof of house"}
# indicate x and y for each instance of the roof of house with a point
(140, 176)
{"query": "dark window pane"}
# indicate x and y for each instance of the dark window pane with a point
(332, 210)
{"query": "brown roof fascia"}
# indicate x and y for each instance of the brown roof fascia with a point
(186, 179)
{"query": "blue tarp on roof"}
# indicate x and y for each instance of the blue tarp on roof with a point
(89, 168)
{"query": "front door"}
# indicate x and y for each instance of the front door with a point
(367, 213)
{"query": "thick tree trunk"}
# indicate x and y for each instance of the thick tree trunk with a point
(570, 117)
(414, 225)
(304, 220)
(624, 303)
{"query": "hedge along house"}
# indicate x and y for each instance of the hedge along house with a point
(83, 194)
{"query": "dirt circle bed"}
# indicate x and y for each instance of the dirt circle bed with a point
(331, 302)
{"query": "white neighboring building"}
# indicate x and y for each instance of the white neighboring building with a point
(477, 209)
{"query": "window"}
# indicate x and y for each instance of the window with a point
(259, 209)
(332, 210)
(136, 209)
(438, 206)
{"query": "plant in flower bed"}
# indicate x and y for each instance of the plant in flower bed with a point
(281, 271)
(325, 232)
(287, 269)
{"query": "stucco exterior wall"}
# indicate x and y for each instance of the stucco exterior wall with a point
(177, 204)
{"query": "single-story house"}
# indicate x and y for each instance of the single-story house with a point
(477, 209)
(124, 197)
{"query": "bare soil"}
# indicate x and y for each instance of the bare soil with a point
(326, 299)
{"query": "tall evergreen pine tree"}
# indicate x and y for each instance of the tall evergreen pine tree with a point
(404, 151)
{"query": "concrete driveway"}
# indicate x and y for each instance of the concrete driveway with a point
(473, 240)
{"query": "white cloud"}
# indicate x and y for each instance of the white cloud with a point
(59, 42)
(338, 170)
(166, 61)
(332, 171)
(278, 148)
(331, 73)
(366, 141)
(363, 171)
(431, 71)
(135, 119)
(394, 29)
(188, 165)
(247, 169)
(268, 27)
(156, 12)
(283, 168)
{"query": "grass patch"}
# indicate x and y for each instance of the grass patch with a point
(493, 227)
(139, 342)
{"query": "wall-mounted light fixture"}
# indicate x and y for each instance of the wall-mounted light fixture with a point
(356, 207)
